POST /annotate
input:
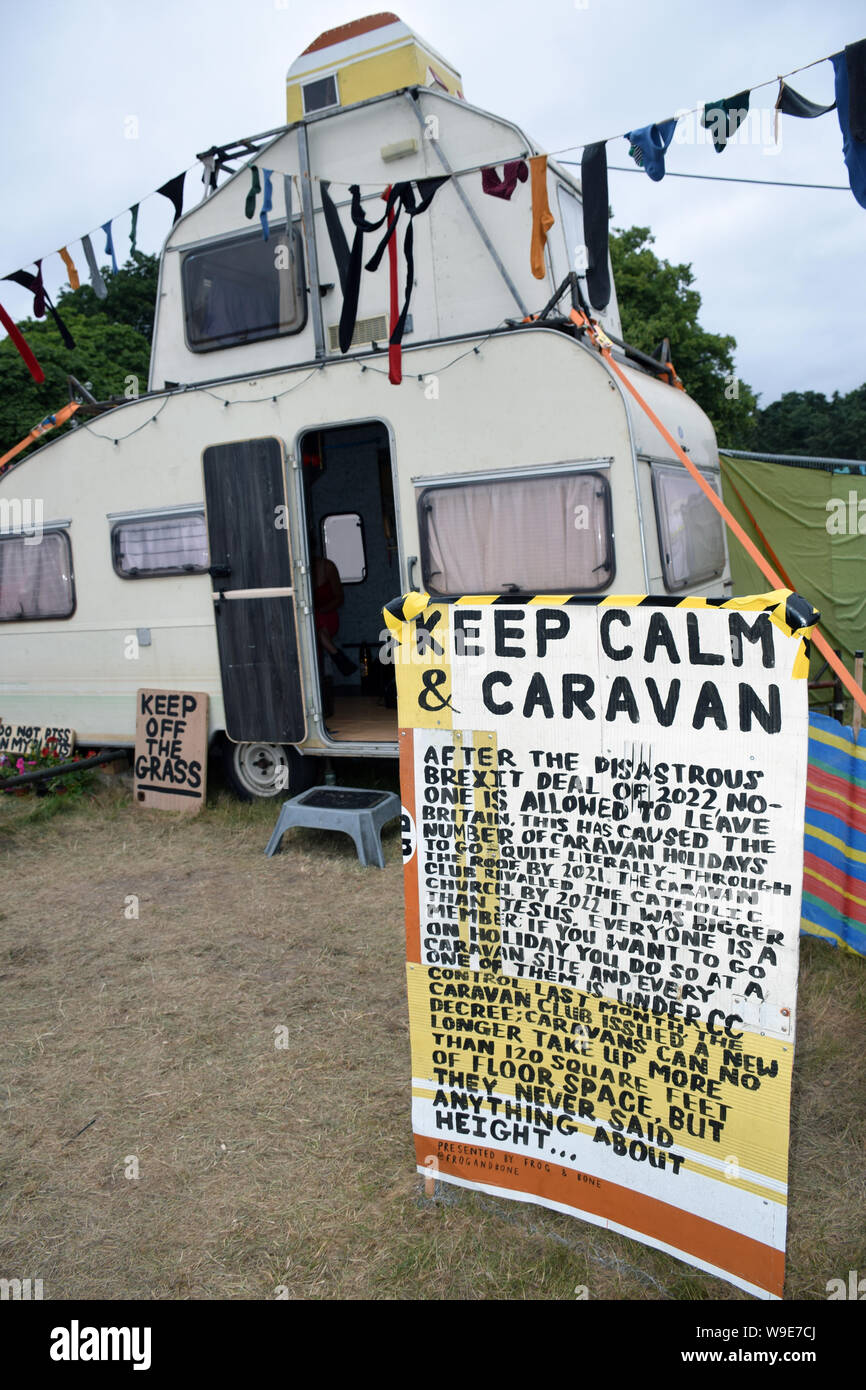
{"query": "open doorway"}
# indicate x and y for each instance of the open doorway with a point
(349, 500)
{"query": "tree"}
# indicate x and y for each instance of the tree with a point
(806, 422)
(656, 301)
(112, 344)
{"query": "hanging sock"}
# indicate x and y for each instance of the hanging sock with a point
(287, 195)
(18, 339)
(72, 273)
(173, 190)
(853, 150)
(596, 207)
(855, 62)
(41, 300)
(512, 172)
(649, 145)
(255, 190)
(791, 103)
(133, 228)
(96, 279)
(267, 204)
(542, 217)
(724, 118)
(109, 246)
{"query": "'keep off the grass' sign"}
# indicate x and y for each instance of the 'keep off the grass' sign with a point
(171, 749)
(603, 845)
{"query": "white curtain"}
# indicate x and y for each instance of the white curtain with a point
(538, 535)
(691, 530)
(35, 579)
(154, 546)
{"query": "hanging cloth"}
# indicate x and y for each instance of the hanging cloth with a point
(791, 103)
(72, 273)
(20, 342)
(287, 194)
(109, 246)
(209, 172)
(402, 198)
(542, 217)
(133, 227)
(648, 147)
(512, 173)
(41, 300)
(96, 279)
(724, 118)
(596, 209)
(855, 62)
(853, 150)
(267, 204)
(336, 235)
(255, 190)
(395, 350)
(173, 190)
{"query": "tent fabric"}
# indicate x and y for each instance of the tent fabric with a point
(815, 521)
(834, 859)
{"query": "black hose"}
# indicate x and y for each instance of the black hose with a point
(108, 755)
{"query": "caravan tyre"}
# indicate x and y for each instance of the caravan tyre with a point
(263, 771)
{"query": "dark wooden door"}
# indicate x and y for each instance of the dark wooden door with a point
(254, 603)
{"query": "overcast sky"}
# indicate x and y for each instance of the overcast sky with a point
(782, 269)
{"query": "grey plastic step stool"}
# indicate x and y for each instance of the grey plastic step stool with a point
(358, 813)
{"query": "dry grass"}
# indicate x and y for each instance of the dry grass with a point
(261, 1166)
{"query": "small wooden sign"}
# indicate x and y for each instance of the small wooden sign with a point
(20, 738)
(171, 749)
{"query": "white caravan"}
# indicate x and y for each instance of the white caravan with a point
(179, 529)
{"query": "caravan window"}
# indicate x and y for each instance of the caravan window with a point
(237, 291)
(320, 94)
(543, 534)
(691, 532)
(144, 546)
(343, 543)
(36, 577)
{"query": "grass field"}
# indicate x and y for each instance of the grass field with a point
(264, 1167)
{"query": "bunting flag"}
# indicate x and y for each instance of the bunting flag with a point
(133, 227)
(267, 204)
(22, 347)
(41, 299)
(109, 246)
(255, 190)
(791, 103)
(173, 190)
(72, 273)
(96, 279)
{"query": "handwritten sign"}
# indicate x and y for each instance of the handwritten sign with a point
(602, 833)
(20, 738)
(171, 749)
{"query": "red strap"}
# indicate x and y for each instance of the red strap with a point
(12, 329)
(395, 351)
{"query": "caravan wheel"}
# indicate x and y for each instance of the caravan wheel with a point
(261, 771)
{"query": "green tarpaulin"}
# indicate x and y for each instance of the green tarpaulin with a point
(815, 523)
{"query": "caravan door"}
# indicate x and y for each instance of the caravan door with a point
(254, 600)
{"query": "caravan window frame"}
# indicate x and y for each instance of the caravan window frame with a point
(56, 528)
(598, 468)
(659, 468)
(332, 76)
(215, 245)
(156, 515)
